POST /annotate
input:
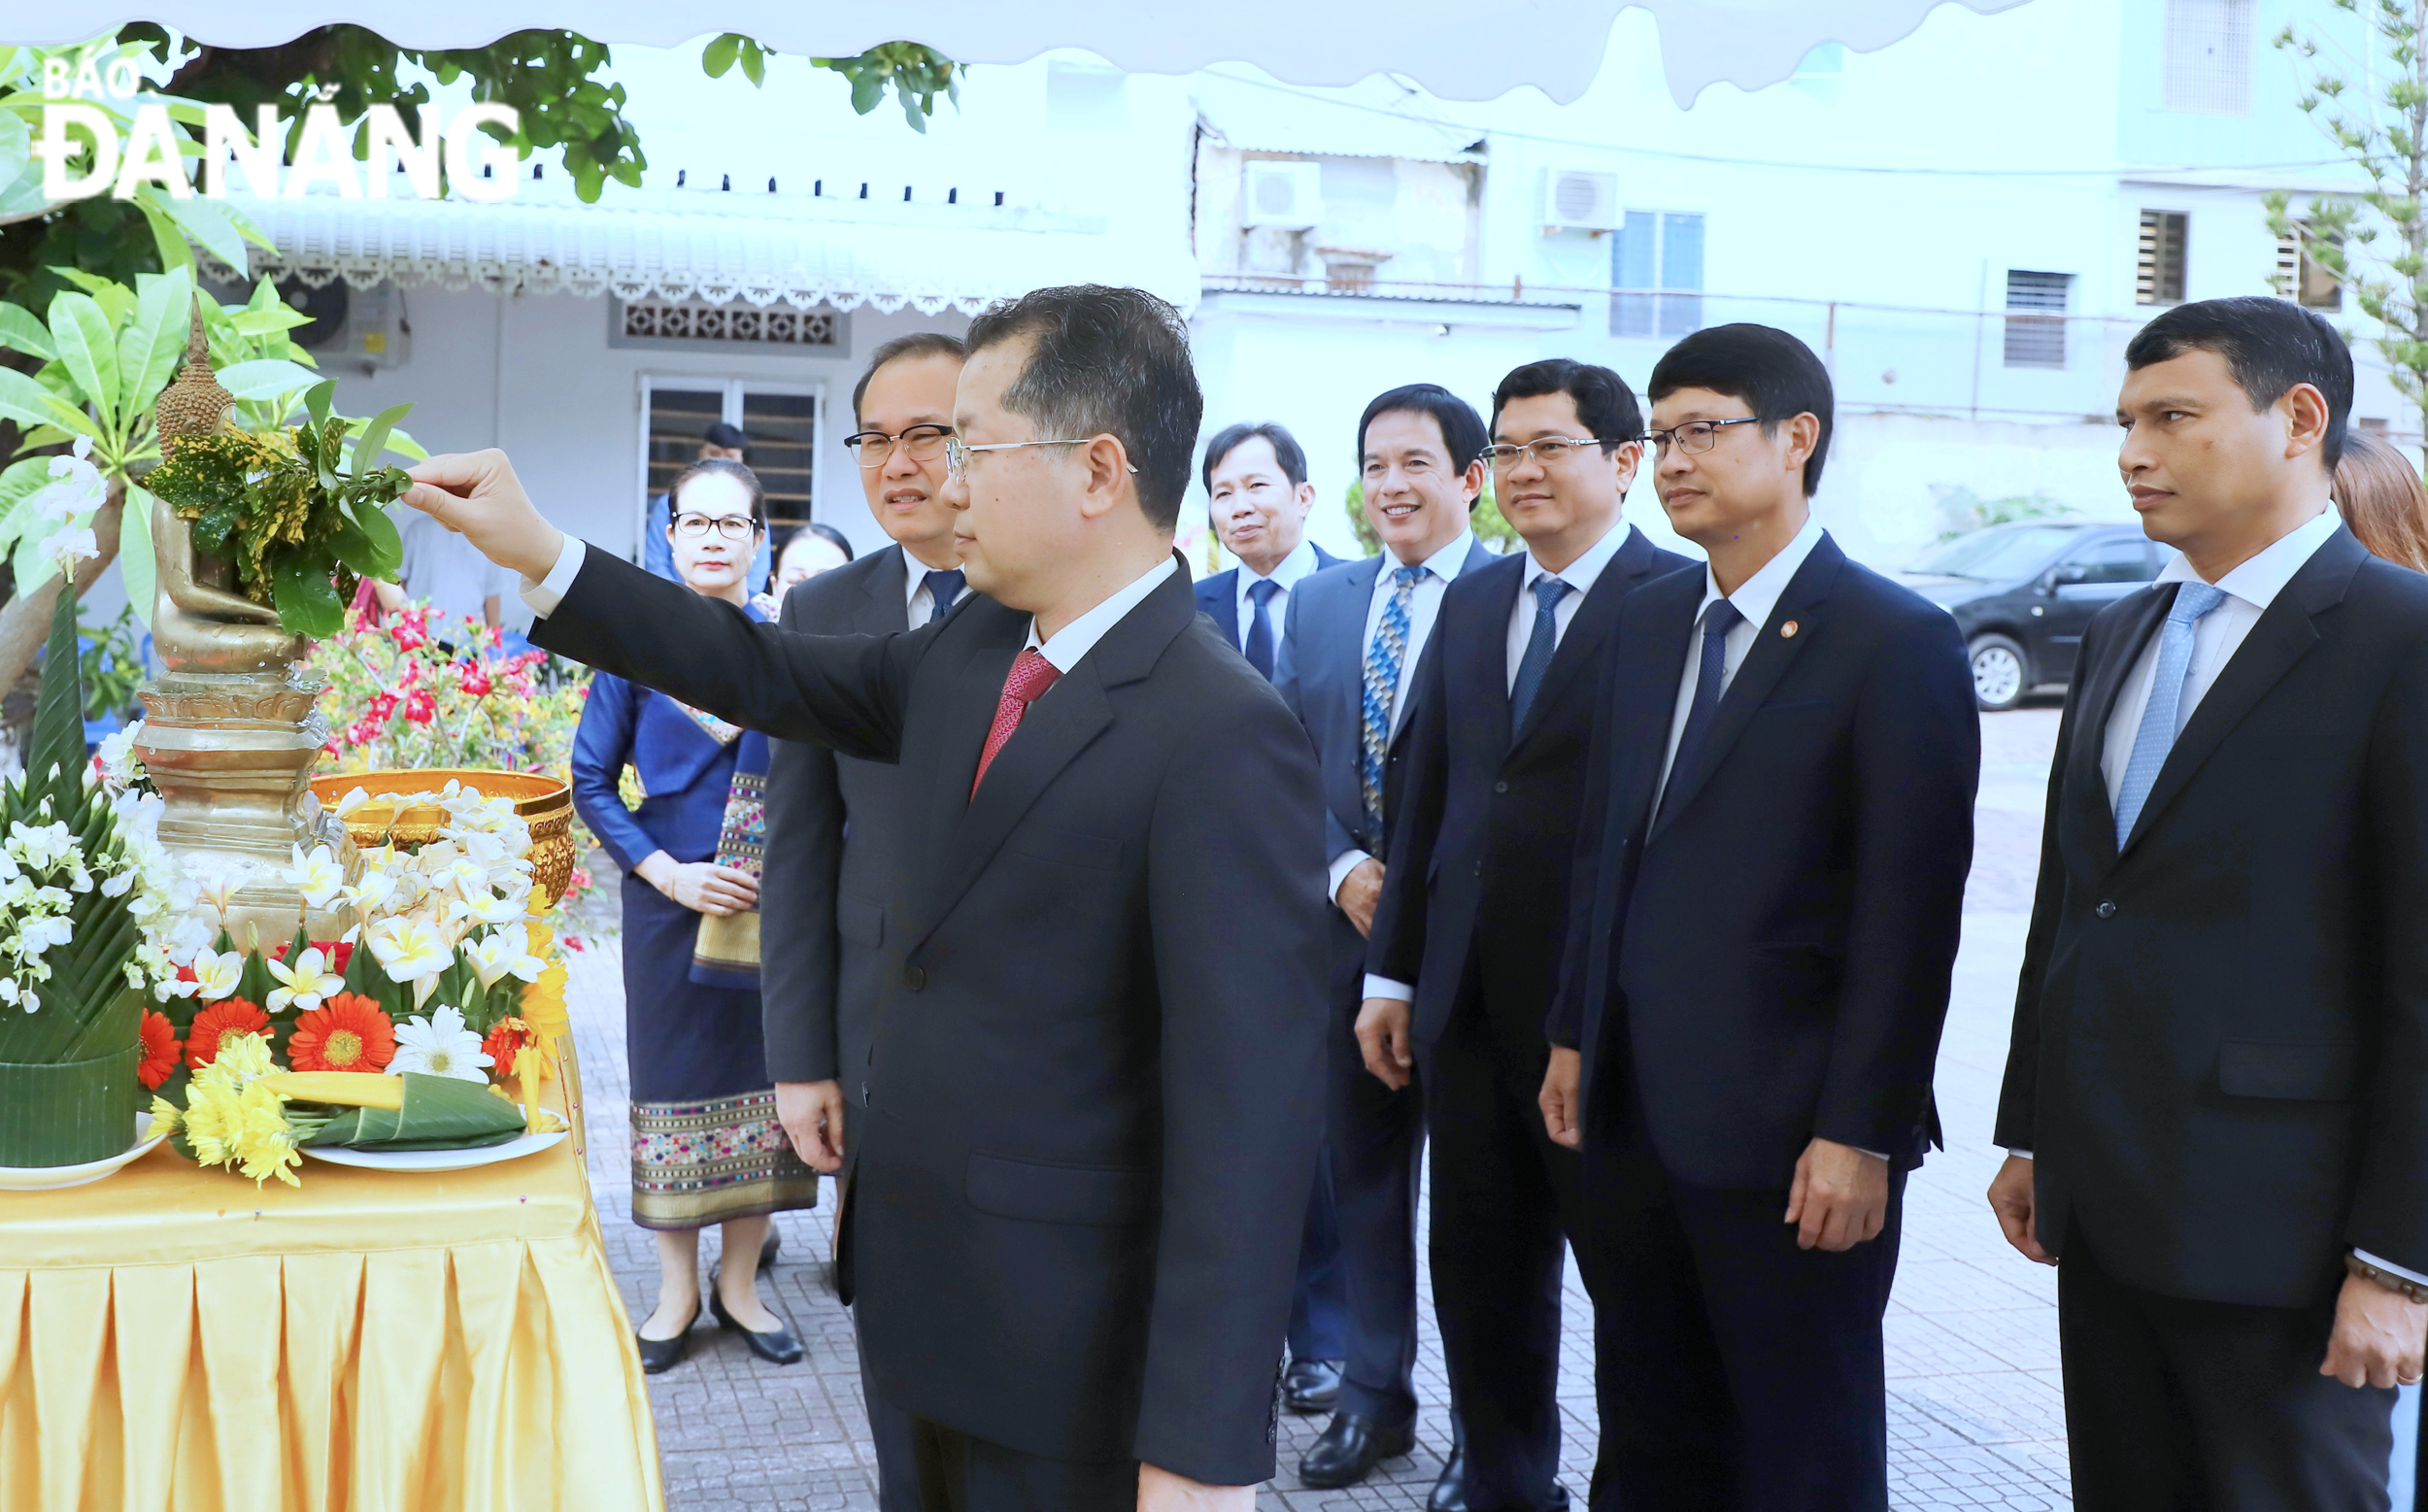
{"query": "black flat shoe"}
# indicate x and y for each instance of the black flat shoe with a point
(1349, 1450)
(660, 1355)
(1311, 1386)
(776, 1346)
(767, 1253)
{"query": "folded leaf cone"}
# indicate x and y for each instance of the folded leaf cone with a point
(436, 1113)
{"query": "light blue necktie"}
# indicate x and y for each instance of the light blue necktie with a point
(2160, 721)
(1545, 639)
(1382, 688)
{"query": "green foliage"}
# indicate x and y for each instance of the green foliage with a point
(1484, 518)
(301, 524)
(1963, 511)
(2376, 243)
(111, 669)
(918, 74)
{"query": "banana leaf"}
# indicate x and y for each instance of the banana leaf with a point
(440, 1113)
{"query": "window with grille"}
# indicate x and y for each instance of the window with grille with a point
(696, 319)
(2300, 277)
(2209, 56)
(780, 419)
(2036, 317)
(1656, 249)
(2158, 274)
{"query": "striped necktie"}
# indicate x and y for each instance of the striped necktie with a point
(1382, 688)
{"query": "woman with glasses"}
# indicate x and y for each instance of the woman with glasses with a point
(706, 1146)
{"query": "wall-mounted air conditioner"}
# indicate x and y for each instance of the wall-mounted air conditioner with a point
(1577, 200)
(1288, 195)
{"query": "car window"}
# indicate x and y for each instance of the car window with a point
(2000, 552)
(2117, 560)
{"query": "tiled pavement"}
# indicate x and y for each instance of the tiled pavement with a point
(1975, 1417)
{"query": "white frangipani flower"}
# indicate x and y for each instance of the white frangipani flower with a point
(351, 802)
(501, 954)
(216, 976)
(318, 876)
(439, 1046)
(219, 886)
(305, 983)
(408, 950)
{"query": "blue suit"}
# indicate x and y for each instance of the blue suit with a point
(1372, 1135)
(1219, 596)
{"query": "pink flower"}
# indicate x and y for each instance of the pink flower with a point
(419, 707)
(472, 678)
(411, 631)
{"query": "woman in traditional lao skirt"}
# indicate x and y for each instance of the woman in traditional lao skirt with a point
(706, 1146)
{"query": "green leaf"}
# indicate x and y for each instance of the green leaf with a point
(28, 402)
(439, 1113)
(83, 336)
(720, 54)
(19, 329)
(135, 559)
(116, 299)
(374, 438)
(266, 378)
(307, 600)
(387, 544)
(149, 347)
(317, 401)
(20, 482)
(209, 223)
(268, 322)
(58, 737)
(754, 63)
(174, 251)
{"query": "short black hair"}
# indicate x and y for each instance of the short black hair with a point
(1106, 362)
(1776, 375)
(781, 541)
(724, 466)
(1286, 450)
(1462, 428)
(918, 343)
(721, 434)
(1605, 405)
(2269, 344)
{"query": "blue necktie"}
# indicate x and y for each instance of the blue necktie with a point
(1717, 621)
(1549, 591)
(943, 588)
(1382, 688)
(1259, 648)
(2161, 720)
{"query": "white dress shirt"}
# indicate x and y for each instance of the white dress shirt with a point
(1580, 576)
(1284, 575)
(1424, 606)
(919, 602)
(1754, 599)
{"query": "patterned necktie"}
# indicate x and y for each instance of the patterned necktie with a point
(2162, 720)
(943, 589)
(1549, 591)
(1717, 621)
(1382, 688)
(1259, 648)
(1031, 676)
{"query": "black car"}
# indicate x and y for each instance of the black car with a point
(2023, 594)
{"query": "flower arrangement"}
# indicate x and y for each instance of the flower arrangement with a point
(301, 523)
(428, 690)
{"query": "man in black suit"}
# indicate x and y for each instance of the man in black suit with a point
(1258, 499)
(2217, 1098)
(1074, 1198)
(1467, 938)
(1352, 645)
(1769, 880)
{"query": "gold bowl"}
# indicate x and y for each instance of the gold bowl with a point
(544, 802)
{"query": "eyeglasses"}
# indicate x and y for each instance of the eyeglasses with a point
(1543, 452)
(733, 527)
(1695, 437)
(923, 443)
(957, 453)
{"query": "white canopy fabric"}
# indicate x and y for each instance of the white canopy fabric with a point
(1455, 49)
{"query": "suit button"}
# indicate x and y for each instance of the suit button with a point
(915, 978)
(2106, 909)
(1501, 787)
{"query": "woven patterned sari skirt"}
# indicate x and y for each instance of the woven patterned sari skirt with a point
(706, 1146)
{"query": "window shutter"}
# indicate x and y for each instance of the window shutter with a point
(2159, 274)
(2036, 317)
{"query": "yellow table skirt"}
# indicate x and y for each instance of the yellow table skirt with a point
(174, 1341)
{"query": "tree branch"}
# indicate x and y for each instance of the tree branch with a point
(25, 619)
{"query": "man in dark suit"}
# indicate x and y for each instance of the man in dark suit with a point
(1352, 643)
(837, 839)
(1259, 497)
(2217, 1098)
(1768, 881)
(1467, 938)
(1074, 1200)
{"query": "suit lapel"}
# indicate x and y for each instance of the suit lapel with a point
(1595, 617)
(1766, 662)
(1652, 647)
(1350, 630)
(2102, 684)
(885, 598)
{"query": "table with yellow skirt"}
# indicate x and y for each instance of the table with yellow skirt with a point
(173, 1339)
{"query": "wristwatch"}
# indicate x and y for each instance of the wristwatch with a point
(2383, 1277)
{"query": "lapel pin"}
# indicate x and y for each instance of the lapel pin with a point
(1787, 631)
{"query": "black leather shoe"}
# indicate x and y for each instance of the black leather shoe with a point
(660, 1355)
(776, 1346)
(1349, 1450)
(1451, 1492)
(1311, 1386)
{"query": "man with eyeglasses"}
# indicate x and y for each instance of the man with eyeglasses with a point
(1353, 639)
(720, 442)
(839, 830)
(1467, 938)
(1769, 873)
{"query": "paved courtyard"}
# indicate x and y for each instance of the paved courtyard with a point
(1975, 1414)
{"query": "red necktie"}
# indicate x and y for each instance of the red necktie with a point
(1031, 676)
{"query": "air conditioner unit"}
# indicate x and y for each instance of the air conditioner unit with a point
(361, 327)
(1575, 199)
(1288, 195)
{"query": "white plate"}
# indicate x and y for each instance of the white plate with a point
(51, 1177)
(435, 1160)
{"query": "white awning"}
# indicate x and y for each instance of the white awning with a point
(758, 249)
(1453, 48)
(1366, 121)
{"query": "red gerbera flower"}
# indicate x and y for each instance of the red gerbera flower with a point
(160, 1048)
(218, 1023)
(350, 1032)
(505, 1042)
